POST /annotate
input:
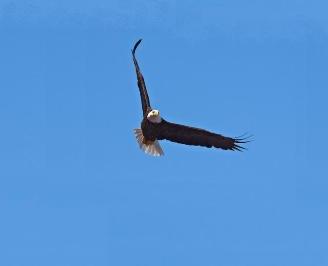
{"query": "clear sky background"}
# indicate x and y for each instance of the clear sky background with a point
(76, 190)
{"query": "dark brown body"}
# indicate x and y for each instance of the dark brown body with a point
(150, 130)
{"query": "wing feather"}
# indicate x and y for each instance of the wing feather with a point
(141, 83)
(198, 137)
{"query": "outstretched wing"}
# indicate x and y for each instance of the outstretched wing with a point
(198, 137)
(141, 83)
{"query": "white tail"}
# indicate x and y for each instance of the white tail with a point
(149, 147)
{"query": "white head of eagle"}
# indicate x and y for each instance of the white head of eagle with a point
(154, 117)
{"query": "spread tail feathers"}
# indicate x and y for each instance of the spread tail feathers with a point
(149, 147)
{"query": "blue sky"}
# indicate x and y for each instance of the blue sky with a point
(76, 190)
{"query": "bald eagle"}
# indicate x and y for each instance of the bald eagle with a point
(155, 128)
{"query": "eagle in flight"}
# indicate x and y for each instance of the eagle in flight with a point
(155, 128)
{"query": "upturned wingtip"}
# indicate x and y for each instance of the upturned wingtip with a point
(136, 45)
